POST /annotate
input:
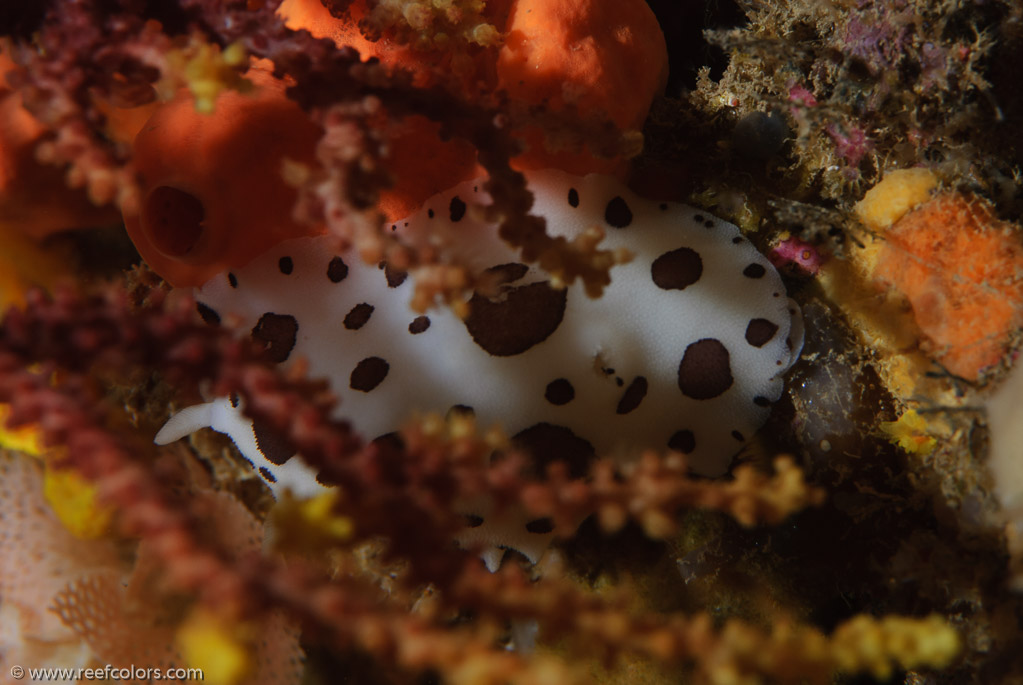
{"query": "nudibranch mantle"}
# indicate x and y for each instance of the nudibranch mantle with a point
(685, 349)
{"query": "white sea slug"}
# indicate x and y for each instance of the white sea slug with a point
(685, 349)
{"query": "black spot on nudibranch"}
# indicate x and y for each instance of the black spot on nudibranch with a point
(548, 443)
(419, 324)
(517, 320)
(682, 441)
(633, 395)
(337, 270)
(761, 401)
(705, 371)
(234, 400)
(232, 280)
(738, 436)
(708, 224)
(573, 197)
(559, 392)
(664, 206)
(760, 331)
(286, 265)
(368, 374)
(271, 444)
(617, 213)
(394, 276)
(265, 472)
(677, 269)
(456, 209)
(460, 410)
(473, 521)
(208, 314)
(429, 213)
(754, 271)
(541, 525)
(278, 332)
(358, 316)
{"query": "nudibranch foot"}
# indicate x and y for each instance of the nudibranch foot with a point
(685, 350)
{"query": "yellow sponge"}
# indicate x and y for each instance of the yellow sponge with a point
(897, 193)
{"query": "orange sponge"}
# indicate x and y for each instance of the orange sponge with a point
(603, 56)
(962, 271)
(213, 195)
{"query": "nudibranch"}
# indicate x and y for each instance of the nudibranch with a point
(685, 349)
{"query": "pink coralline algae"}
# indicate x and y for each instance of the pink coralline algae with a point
(796, 255)
(852, 144)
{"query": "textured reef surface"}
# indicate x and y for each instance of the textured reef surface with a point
(541, 341)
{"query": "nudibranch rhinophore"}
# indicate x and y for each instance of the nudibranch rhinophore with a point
(685, 349)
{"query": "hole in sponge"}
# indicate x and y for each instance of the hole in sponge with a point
(173, 220)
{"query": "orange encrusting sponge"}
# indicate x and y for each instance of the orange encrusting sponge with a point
(213, 192)
(213, 195)
(962, 271)
(605, 57)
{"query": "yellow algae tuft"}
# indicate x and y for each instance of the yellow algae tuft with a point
(877, 645)
(910, 433)
(309, 524)
(75, 502)
(213, 645)
(207, 71)
(900, 191)
(23, 265)
(73, 499)
(25, 439)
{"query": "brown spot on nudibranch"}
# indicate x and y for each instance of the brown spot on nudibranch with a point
(358, 316)
(548, 443)
(760, 331)
(337, 270)
(278, 332)
(754, 271)
(419, 324)
(682, 441)
(677, 269)
(456, 210)
(286, 265)
(705, 370)
(519, 318)
(541, 526)
(559, 392)
(460, 410)
(394, 277)
(617, 213)
(633, 395)
(208, 314)
(271, 444)
(368, 374)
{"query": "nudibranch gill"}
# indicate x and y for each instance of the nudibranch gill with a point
(685, 349)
